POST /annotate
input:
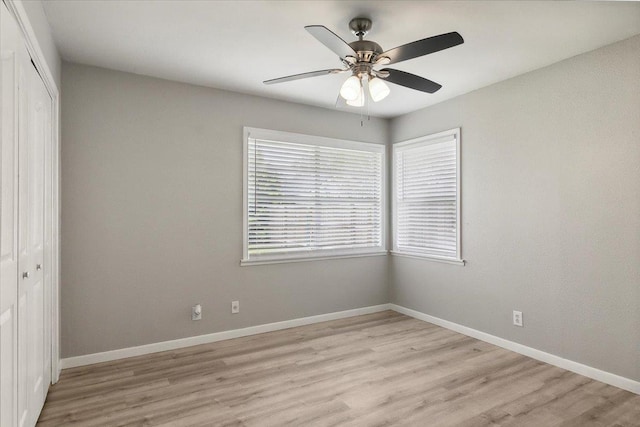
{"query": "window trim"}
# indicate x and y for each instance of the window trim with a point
(428, 139)
(297, 138)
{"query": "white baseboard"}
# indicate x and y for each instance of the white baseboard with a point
(89, 359)
(552, 359)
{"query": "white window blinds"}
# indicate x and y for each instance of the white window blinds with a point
(311, 198)
(426, 205)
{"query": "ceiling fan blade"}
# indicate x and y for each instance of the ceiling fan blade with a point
(411, 81)
(304, 76)
(423, 47)
(331, 40)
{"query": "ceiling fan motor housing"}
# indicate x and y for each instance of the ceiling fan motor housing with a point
(366, 49)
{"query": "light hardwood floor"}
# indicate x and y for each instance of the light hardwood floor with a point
(373, 370)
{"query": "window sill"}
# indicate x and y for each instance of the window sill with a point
(459, 262)
(248, 262)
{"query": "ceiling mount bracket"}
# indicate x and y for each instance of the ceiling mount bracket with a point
(360, 26)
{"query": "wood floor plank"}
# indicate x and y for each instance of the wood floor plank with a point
(380, 369)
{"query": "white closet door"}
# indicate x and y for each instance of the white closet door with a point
(26, 233)
(12, 57)
(32, 327)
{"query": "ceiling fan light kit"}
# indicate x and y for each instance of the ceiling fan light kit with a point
(361, 56)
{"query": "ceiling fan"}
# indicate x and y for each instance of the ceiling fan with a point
(361, 57)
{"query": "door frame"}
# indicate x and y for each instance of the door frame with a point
(18, 11)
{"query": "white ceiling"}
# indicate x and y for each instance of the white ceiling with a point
(235, 45)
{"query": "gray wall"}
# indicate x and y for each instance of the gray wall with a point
(152, 214)
(550, 210)
(151, 201)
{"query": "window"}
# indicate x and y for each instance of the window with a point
(310, 197)
(426, 208)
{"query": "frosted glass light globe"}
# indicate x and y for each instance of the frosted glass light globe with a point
(378, 89)
(359, 101)
(351, 88)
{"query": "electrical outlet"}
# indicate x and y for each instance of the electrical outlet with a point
(517, 318)
(196, 312)
(235, 307)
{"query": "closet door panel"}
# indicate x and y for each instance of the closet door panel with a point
(14, 295)
(39, 101)
(9, 38)
(31, 324)
(24, 259)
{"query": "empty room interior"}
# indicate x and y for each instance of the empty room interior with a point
(320, 213)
